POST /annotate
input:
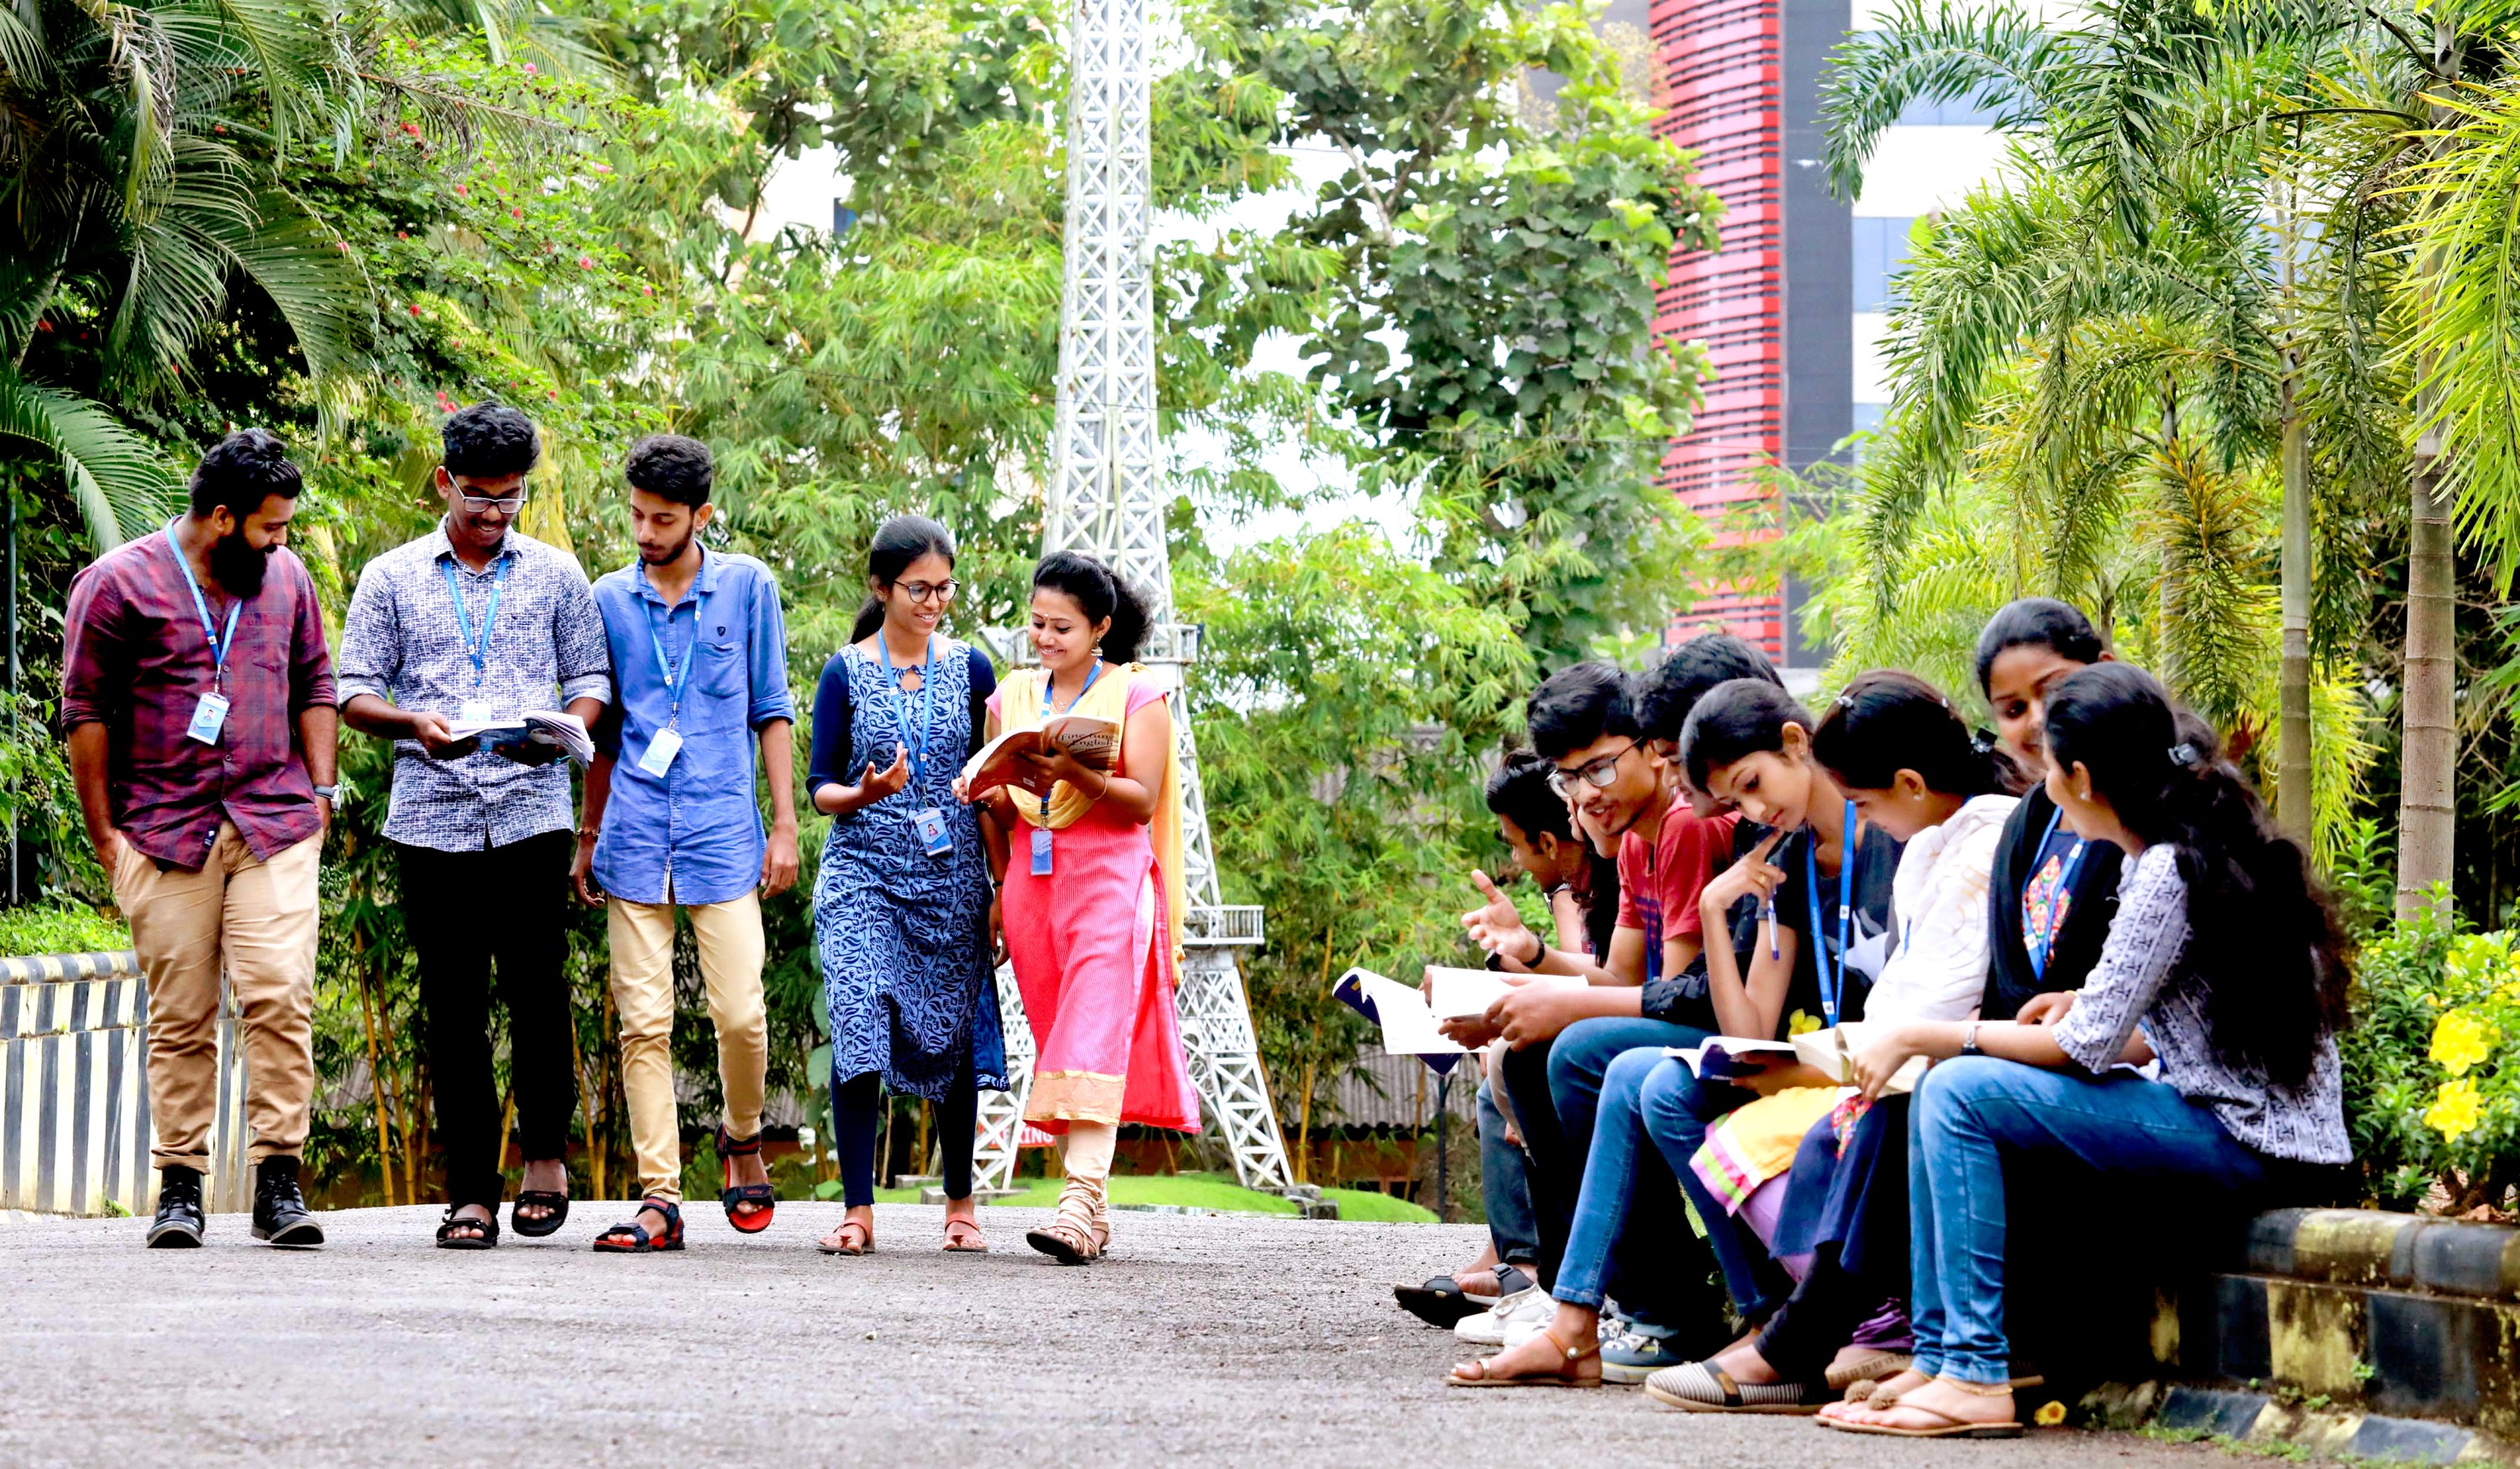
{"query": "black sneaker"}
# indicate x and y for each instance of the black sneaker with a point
(280, 1213)
(179, 1221)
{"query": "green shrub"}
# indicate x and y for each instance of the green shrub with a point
(62, 930)
(2432, 1090)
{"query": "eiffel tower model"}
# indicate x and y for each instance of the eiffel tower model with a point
(1106, 498)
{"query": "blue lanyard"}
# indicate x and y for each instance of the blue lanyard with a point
(927, 704)
(477, 649)
(675, 681)
(219, 645)
(2046, 942)
(1047, 714)
(1833, 977)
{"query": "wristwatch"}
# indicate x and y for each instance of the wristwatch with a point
(1969, 1041)
(332, 796)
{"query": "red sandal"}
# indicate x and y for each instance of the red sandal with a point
(760, 1195)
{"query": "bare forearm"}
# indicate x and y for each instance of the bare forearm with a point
(1750, 1005)
(370, 715)
(1941, 1039)
(599, 794)
(319, 737)
(778, 763)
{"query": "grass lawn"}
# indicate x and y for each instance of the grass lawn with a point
(1206, 1191)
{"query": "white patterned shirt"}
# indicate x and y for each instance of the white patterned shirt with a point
(2140, 979)
(546, 648)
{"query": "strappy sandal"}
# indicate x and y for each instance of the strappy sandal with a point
(1705, 1388)
(969, 1242)
(1076, 1236)
(538, 1198)
(1869, 1369)
(862, 1244)
(1943, 1426)
(633, 1237)
(448, 1239)
(737, 1194)
(1564, 1376)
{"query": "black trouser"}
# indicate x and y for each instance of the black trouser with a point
(857, 1108)
(463, 910)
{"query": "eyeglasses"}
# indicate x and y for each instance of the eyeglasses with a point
(1601, 775)
(504, 504)
(921, 591)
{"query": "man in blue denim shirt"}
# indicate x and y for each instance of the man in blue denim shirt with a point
(699, 664)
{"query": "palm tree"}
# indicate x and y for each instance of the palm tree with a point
(140, 154)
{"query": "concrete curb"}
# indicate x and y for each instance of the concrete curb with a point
(2264, 1420)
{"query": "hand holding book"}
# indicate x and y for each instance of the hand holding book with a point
(1030, 760)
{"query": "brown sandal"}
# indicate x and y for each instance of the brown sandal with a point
(1563, 1377)
(862, 1243)
(969, 1242)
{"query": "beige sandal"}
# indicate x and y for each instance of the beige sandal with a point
(1942, 1425)
(1564, 1376)
(861, 1242)
(1073, 1237)
(969, 1242)
(1869, 1369)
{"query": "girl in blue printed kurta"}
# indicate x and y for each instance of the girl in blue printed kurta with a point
(903, 913)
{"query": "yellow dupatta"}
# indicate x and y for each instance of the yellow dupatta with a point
(1020, 708)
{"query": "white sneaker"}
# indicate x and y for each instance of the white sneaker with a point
(1530, 1308)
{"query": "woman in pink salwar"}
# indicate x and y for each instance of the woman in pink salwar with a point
(1089, 864)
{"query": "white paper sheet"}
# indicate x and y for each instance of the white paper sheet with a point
(1462, 992)
(1408, 1026)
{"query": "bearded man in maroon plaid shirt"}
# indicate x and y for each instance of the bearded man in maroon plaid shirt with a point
(198, 691)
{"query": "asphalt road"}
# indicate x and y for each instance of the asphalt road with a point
(1200, 1341)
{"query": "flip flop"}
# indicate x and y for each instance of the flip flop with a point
(1948, 1428)
(969, 1242)
(862, 1244)
(1440, 1302)
(1561, 1378)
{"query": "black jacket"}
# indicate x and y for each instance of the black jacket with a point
(2010, 982)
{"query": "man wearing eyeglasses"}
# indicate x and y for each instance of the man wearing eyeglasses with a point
(700, 667)
(475, 622)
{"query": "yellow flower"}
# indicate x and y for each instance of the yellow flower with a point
(2456, 1110)
(2461, 1040)
(2050, 1414)
(1801, 1025)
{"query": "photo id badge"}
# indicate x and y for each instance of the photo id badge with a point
(1040, 851)
(933, 830)
(211, 715)
(478, 712)
(662, 751)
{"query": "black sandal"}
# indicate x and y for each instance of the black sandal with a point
(542, 1197)
(762, 1194)
(448, 1239)
(633, 1237)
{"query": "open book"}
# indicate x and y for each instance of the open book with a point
(1722, 1058)
(1458, 993)
(541, 727)
(1833, 1051)
(1092, 742)
(1408, 1028)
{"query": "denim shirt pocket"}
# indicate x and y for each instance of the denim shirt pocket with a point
(724, 679)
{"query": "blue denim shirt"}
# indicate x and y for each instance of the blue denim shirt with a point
(694, 835)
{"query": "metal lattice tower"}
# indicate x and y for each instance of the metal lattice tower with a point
(1106, 498)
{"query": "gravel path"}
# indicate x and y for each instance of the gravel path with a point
(1202, 1340)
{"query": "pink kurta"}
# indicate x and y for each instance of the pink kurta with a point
(1092, 949)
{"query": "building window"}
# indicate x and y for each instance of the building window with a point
(1880, 253)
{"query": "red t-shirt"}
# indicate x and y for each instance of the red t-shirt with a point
(1659, 883)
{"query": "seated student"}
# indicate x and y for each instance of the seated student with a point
(1909, 763)
(1583, 888)
(2222, 951)
(1616, 771)
(1748, 742)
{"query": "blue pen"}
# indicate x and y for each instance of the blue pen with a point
(1769, 922)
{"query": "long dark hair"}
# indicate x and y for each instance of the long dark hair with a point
(1738, 718)
(2262, 937)
(2035, 622)
(1887, 721)
(898, 542)
(1095, 588)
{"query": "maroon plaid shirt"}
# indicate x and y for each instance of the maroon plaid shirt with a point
(137, 663)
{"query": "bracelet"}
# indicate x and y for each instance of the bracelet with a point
(1539, 949)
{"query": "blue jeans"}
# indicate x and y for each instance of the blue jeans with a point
(1677, 1109)
(1503, 1189)
(1609, 1180)
(1555, 1089)
(1973, 1115)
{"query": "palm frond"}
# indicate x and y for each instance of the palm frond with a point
(115, 477)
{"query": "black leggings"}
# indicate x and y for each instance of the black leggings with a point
(857, 1116)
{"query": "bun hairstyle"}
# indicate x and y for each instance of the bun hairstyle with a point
(1102, 594)
(898, 543)
(2268, 1002)
(1741, 717)
(1887, 721)
(2035, 622)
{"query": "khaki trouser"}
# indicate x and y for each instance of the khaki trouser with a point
(732, 950)
(256, 921)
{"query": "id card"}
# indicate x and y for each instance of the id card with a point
(662, 751)
(1040, 851)
(933, 830)
(210, 715)
(478, 712)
